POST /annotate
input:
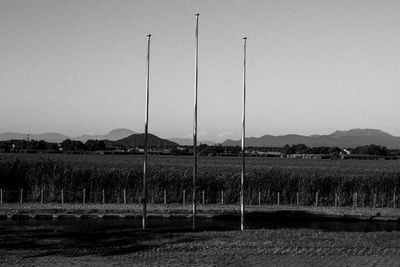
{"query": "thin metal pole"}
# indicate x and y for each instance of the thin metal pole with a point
(279, 199)
(146, 118)
(196, 77)
(336, 200)
(243, 137)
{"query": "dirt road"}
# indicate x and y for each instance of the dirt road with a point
(120, 245)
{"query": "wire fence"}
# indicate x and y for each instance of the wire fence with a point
(125, 196)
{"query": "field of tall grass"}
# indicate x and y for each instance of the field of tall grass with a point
(264, 184)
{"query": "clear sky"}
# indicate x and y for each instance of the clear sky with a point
(78, 66)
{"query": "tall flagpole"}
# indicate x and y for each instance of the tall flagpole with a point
(196, 59)
(243, 137)
(146, 117)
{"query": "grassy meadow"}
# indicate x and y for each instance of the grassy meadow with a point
(374, 181)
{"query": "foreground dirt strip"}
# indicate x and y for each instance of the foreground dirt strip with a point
(127, 247)
(10, 209)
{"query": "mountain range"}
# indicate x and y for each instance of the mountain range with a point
(344, 139)
(49, 137)
(113, 135)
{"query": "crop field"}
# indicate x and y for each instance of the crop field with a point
(353, 167)
(117, 178)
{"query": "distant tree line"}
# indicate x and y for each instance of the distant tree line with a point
(303, 149)
(65, 146)
(74, 146)
(359, 150)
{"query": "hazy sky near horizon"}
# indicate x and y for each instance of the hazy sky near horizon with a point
(313, 67)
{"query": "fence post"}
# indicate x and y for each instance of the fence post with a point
(374, 201)
(316, 199)
(297, 199)
(104, 198)
(165, 197)
(222, 197)
(1, 195)
(355, 200)
(204, 199)
(62, 196)
(278, 199)
(41, 196)
(184, 197)
(21, 194)
(259, 198)
(84, 196)
(124, 196)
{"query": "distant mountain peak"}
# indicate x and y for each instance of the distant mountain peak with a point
(360, 132)
(138, 140)
(121, 131)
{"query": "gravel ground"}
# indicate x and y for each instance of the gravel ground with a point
(127, 247)
(34, 243)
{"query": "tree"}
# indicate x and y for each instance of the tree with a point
(95, 145)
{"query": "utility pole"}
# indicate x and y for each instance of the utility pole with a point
(243, 137)
(146, 117)
(196, 76)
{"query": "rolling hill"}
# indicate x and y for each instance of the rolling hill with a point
(49, 137)
(189, 141)
(349, 139)
(138, 140)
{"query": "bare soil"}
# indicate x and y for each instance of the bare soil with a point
(40, 246)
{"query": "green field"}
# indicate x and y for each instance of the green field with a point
(269, 180)
(353, 167)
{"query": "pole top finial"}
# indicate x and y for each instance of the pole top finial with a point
(197, 14)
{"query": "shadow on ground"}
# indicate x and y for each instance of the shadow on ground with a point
(75, 241)
(79, 237)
